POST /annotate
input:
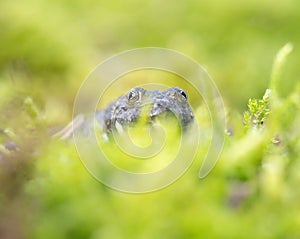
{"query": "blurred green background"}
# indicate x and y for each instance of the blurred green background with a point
(47, 48)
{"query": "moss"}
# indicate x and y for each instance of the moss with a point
(253, 192)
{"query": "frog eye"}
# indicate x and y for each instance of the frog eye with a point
(133, 96)
(177, 93)
(182, 93)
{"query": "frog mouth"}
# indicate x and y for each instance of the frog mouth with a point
(163, 114)
(145, 114)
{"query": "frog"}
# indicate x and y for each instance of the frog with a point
(123, 112)
(126, 110)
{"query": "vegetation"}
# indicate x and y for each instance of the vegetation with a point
(48, 48)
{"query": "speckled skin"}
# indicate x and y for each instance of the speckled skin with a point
(127, 109)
